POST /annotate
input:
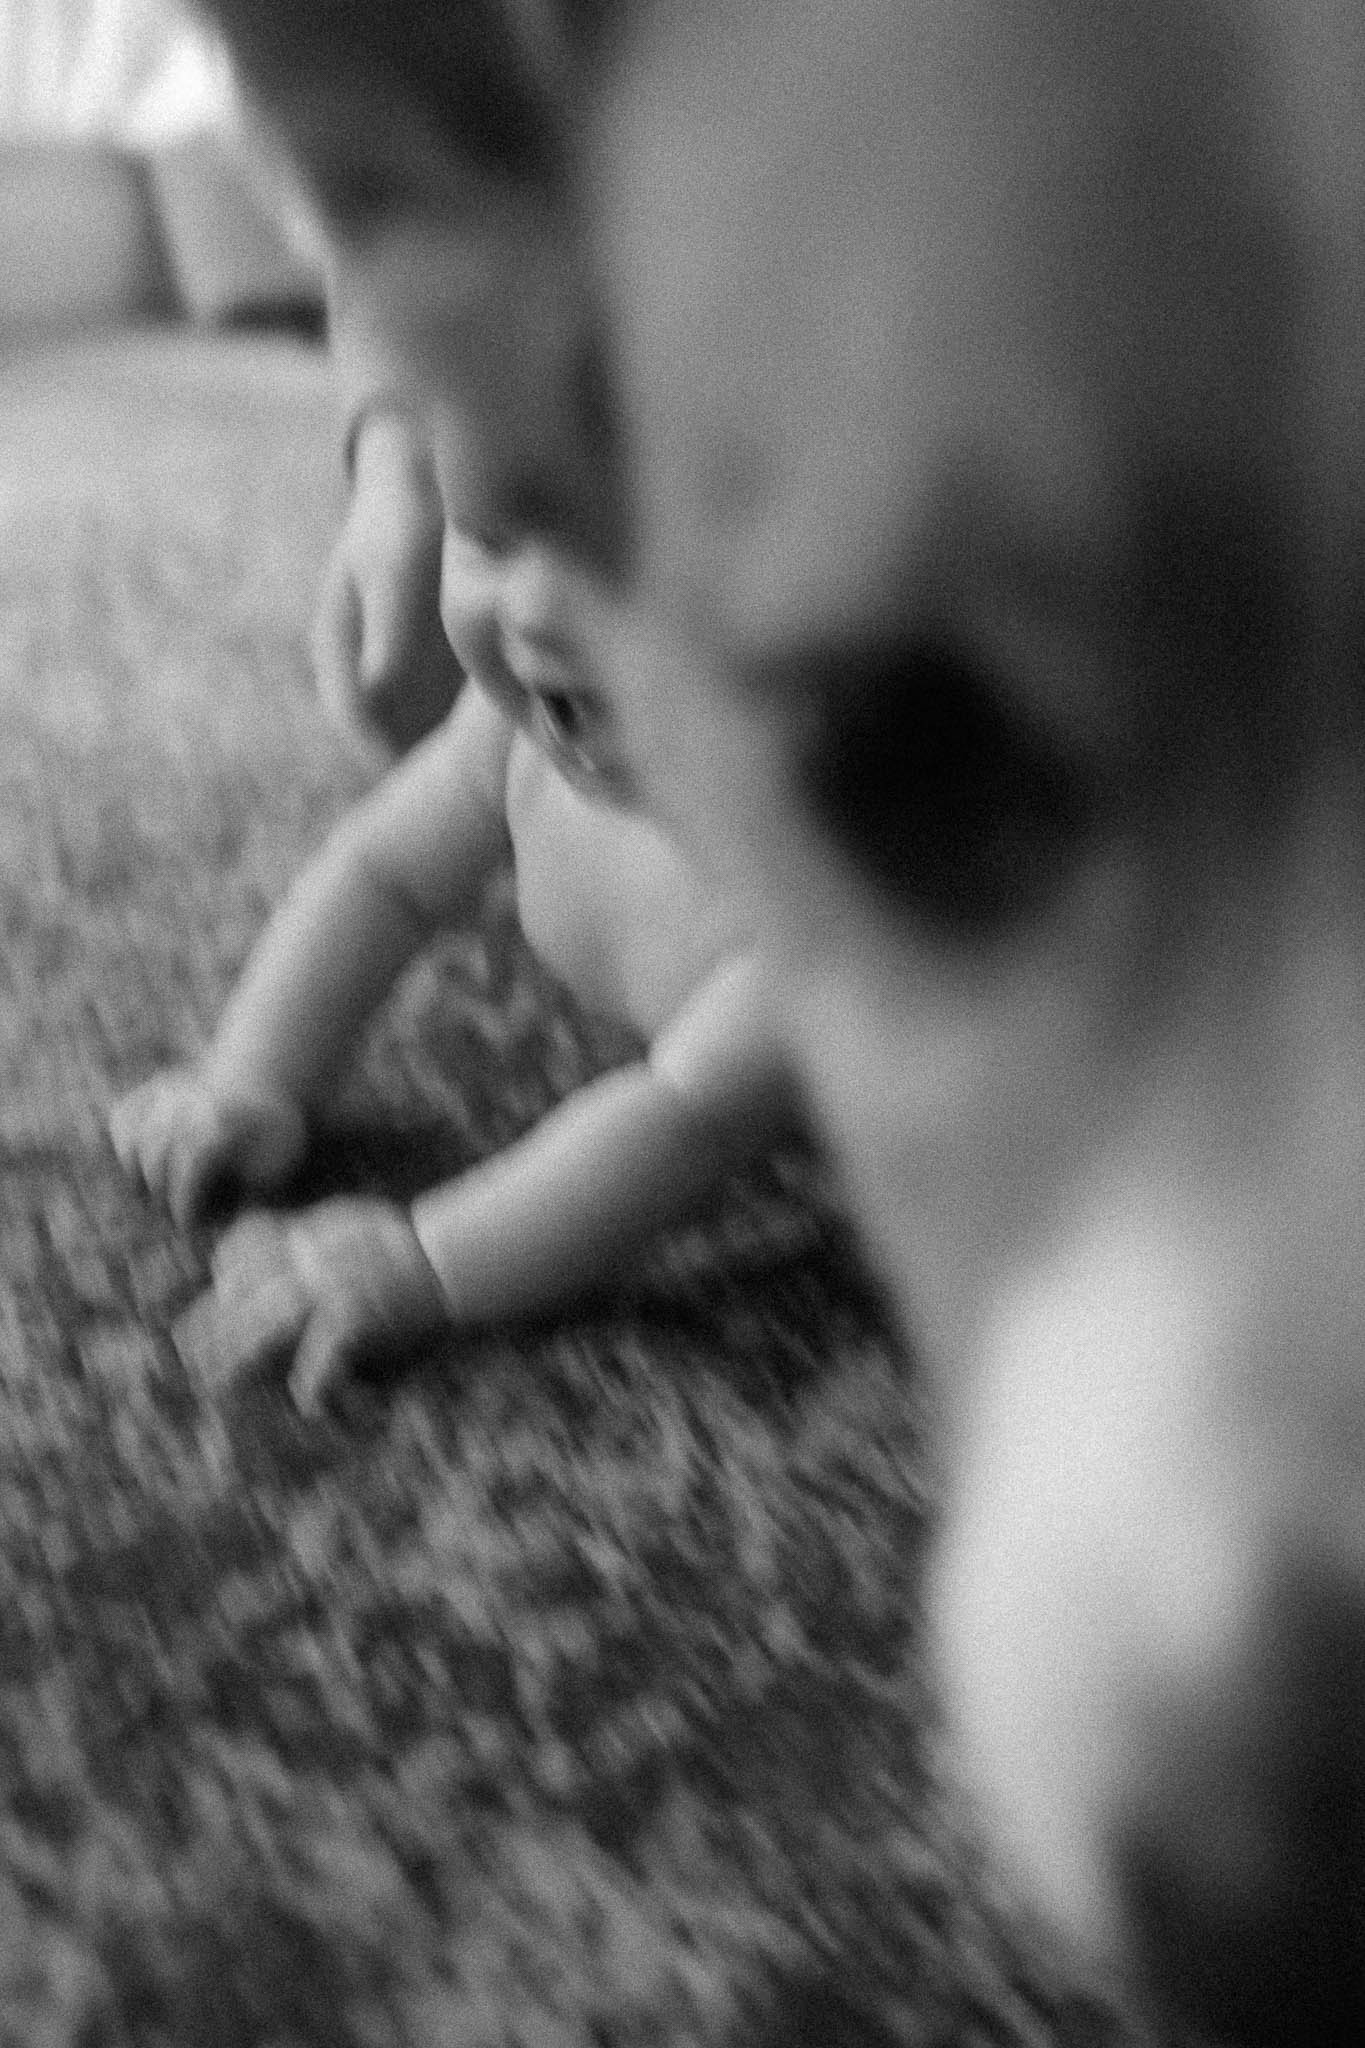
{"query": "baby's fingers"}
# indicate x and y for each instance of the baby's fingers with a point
(335, 1339)
(227, 1340)
(151, 1128)
(244, 1145)
(124, 1128)
(198, 1171)
(249, 1322)
(254, 1254)
(133, 1122)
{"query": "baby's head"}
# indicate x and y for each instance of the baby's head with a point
(971, 392)
(431, 142)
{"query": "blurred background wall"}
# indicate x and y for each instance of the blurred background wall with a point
(129, 189)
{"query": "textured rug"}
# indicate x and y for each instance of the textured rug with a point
(561, 1692)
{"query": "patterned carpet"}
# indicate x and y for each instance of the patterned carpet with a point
(563, 1691)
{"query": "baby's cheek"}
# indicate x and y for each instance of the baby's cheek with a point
(468, 643)
(469, 612)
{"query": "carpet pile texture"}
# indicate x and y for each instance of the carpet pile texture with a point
(561, 1691)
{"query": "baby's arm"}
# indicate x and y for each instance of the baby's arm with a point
(408, 860)
(545, 1222)
(640, 1149)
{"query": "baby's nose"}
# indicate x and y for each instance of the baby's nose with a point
(1242, 1863)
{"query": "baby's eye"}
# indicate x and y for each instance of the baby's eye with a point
(561, 716)
(577, 731)
(562, 724)
(944, 795)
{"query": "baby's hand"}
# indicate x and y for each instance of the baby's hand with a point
(318, 1292)
(385, 671)
(188, 1145)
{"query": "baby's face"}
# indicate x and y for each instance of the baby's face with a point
(476, 313)
(520, 618)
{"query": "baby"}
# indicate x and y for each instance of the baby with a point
(527, 764)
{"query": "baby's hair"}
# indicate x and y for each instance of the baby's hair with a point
(480, 80)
